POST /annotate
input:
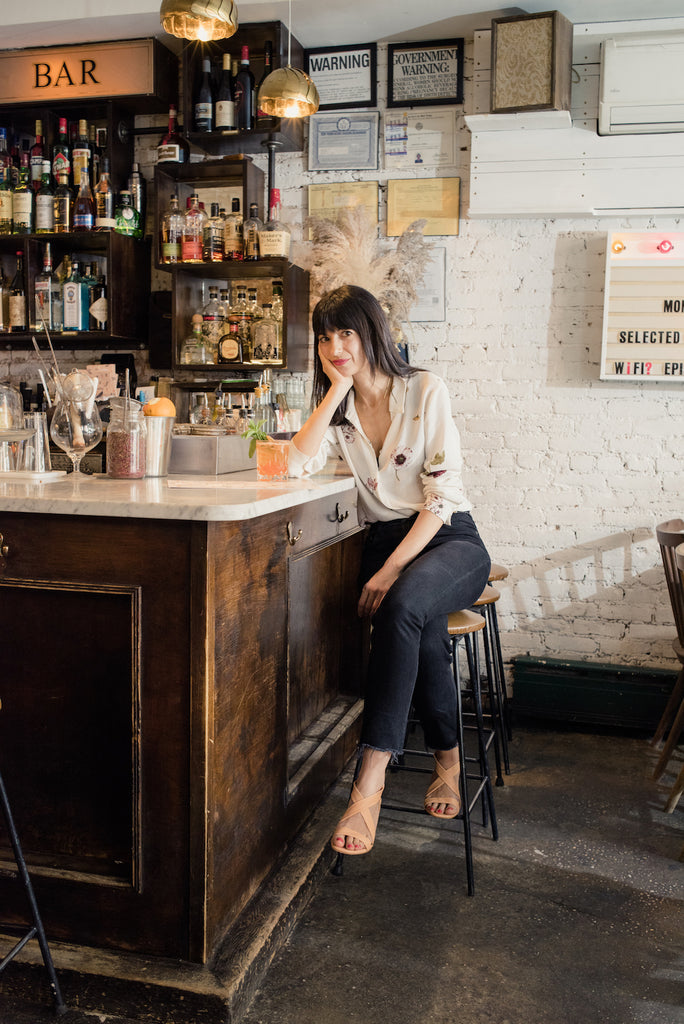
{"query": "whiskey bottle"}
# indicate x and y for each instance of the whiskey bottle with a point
(173, 148)
(45, 203)
(274, 237)
(63, 203)
(250, 231)
(104, 200)
(193, 231)
(84, 204)
(171, 233)
(212, 237)
(233, 238)
(81, 155)
(61, 152)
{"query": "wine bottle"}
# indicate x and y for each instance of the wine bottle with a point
(244, 94)
(173, 148)
(36, 158)
(61, 151)
(45, 203)
(225, 100)
(22, 200)
(265, 122)
(17, 298)
(204, 104)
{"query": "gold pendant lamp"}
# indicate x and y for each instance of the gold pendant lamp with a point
(288, 92)
(201, 20)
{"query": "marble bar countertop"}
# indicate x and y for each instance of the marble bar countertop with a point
(228, 497)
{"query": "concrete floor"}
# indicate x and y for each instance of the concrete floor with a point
(577, 916)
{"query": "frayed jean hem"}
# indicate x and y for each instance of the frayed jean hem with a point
(394, 754)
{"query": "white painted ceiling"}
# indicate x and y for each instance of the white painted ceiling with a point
(314, 22)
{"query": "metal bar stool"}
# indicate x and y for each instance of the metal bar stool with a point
(475, 784)
(36, 931)
(486, 604)
(497, 574)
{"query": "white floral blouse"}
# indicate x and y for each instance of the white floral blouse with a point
(419, 465)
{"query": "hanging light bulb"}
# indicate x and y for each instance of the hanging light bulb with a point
(201, 20)
(288, 92)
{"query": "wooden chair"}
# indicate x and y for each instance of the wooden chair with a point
(671, 535)
(678, 788)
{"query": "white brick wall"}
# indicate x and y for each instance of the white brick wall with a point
(568, 475)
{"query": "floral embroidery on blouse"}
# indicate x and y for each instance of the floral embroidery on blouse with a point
(436, 505)
(401, 457)
(348, 432)
(437, 460)
(372, 484)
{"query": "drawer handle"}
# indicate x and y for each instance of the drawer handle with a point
(341, 516)
(292, 538)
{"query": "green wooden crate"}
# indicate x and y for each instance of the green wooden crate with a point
(590, 693)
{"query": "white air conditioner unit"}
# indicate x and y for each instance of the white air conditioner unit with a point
(642, 84)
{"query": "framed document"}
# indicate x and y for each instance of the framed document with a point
(345, 76)
(328, 200)
(431, 304)
(343, 142)
(435, 200)
(413, 139)
(425, 74)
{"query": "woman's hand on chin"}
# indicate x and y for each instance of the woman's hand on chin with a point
(337, 380)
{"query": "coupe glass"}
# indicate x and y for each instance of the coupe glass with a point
(76, 426)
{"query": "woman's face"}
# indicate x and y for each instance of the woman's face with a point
(343, 348)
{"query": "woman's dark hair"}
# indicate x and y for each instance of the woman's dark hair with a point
(352, 308)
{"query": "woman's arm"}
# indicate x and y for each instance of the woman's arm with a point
(421, 533)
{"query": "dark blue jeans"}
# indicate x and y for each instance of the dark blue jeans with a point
(410, 657)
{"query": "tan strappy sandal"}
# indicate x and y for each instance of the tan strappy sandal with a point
(448, 777)
(369, 809)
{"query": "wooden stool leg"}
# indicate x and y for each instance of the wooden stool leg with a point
(668, 714)
(675, 792)
(37, 930)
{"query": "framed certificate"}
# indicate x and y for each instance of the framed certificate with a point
(435, 200)
(345, 76)
(344, 142)
(425, 74)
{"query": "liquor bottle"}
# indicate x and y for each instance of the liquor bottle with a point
(204, 102)
(233, 240)
(45, 203)
(225, 100)
(22, 200)
(171, 233)
(266, 338)
(244, 94)
(230, 345)
(84, 205)
(239, 314)
(17, 299)
(36, 158)
(75, 300)
(193, 349)
(274, 237)
(212, 237)
(213, 324)
(173, 148)
(126, 217)
(98, 310)
(63, 203)
(104, 200)
(81, 155)
(277, 302)
(61, 151)
(265, 122)
(47, 301)
(193, 231)
(137, 186)
(96, 155)
(5, 187)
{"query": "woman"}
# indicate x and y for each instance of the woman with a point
(423, 557)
